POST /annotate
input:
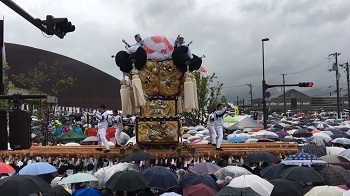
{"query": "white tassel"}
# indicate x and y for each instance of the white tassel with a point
(132, 100)
(195, 97)
(137, 88)
(188, 92)
(125, 98)
(179, 105)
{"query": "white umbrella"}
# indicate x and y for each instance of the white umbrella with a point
(233, 171)
(322, 135)
(334, 150)
(90, 139)
(345, 153)
(78, 177)
(170, 194)
(72, 144)
(259, 185)
(327, 132)
(251, 140)
(344, 141)
(325, 191)
(132, 140)
(265, 134)
(346, 193)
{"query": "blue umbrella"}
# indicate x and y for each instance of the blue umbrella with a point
(37, 168)
(196, 178)
(302, 159)
(87, 192)
(236, 140)
(160, 177)
(334, 136)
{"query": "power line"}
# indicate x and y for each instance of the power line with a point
(319, 64)
(234, 86)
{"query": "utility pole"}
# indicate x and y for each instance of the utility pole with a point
(251, 95)
(284, 94)
(337, 77)
(346, 66)
(237, 101)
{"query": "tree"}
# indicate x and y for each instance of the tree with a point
(208, 93)
(4, 104)
(43, 74)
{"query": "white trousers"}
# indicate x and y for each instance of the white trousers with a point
(212, 133)
(220, 135)
(118, 131)
(101, 137)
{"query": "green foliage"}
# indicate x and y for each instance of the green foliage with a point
(44, 73)
(208, 93)
(5, 104)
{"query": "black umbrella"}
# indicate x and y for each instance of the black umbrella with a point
(335, 175)
(344, 129)
(273, 171)
(277, 126)
(285, 187)
(22, 185)
(314, 149)
(197, 178)
(128, 180)
(56, 191)
(302, 133)
(230, 191)
(138, 156)
(302, 174)
(256, 157)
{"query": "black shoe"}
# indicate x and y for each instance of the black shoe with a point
(209, 143)
(219, 149)
(117, 145)
(107, 150)
(99, 149)
(213, 144)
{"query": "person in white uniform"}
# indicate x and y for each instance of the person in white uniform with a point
(102, 125)
(132, 48)
(118, 125)
(211, 128)
(219, 124)
(180, 41)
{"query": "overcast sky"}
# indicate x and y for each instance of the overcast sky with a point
(302, 34)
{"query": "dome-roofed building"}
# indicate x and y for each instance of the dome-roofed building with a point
(91, 88)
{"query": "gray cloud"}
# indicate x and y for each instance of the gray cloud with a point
(302, 33)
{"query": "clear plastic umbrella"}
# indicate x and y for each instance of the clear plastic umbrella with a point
(104, 174)
(259, 185)
(233, 171)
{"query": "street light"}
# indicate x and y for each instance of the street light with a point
(264, 84)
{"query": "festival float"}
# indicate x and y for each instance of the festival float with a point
(157, 86)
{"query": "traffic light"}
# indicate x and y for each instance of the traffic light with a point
(306, 84)
(58, 26)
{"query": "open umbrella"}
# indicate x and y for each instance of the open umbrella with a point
(236, 139)
(160, 177)
(22, 185)
(231, 191)
(256, 157)
(272, 171)
(302, 159)
(199, 189)
(302, 174)
(285, 187)
(335, 175)
(239, 164)
(345, 153)
(90, 139)
(138, 156)
(325, 191)
(315, 150)
(6, 168)
(259, 185)
(343, 141)
(37, 168)
(196, 178)
(128, 180)
(334, 150)
(105, 173)
(334, 159)
(78, 177)
(55, 191)
(205, 168)
(302, 133)
(265, 134)
(72, 136)
(87, 192)
(233, 171)
(170, 194)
